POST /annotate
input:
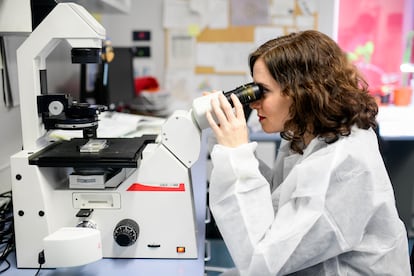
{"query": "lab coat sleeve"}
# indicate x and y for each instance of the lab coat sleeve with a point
(232, 205)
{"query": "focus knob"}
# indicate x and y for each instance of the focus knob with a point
(126, 232)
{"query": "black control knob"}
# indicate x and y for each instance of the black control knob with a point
(126, 232)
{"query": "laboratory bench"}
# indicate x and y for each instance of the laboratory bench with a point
(136, 267)
(396, 141)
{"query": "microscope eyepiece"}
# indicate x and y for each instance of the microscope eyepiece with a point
(246, 93)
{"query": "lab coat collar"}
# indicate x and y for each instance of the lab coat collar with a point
(294, 158)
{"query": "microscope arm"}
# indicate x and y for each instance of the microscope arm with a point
(182, 137)
(67, 21)
(181, 133)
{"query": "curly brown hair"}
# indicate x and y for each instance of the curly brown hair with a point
(329, 94)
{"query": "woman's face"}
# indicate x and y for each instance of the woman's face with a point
(273, 108)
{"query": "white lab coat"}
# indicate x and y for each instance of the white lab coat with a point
(331, 211)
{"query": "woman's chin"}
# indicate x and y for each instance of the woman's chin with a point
(269, 130)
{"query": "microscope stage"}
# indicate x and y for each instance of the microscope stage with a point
(120, 153)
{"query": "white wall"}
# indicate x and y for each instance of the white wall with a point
(143, 15)
(10, 125)
(328, 17)
(10, 137)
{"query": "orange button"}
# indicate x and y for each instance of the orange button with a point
(180, 249)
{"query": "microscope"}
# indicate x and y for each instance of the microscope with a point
(79, 200)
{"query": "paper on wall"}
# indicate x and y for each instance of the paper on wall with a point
(218, 14)
(248, 12)
(305, 22)
(282, 7)
(186, 13)
(283, 20)
(181, 49)
(225, 57)
(308, 7)
(263, 34)
(178, 14)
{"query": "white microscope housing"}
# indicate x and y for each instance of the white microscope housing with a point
(69, 22)
(137, 197)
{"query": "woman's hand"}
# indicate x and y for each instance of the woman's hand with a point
(230, 128)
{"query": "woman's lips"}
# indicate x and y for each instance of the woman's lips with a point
(261, 118)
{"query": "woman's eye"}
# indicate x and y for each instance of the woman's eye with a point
(265, 90)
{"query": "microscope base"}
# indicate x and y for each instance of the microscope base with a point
(157, 197)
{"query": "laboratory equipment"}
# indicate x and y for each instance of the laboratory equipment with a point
(135, 193)
(246, 93)
(157, 196)
(66, 22)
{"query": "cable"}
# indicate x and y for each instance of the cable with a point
(7, 243)
(6, 268)
(41, 261)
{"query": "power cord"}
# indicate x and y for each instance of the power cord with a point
(7, 244)
(41, 261)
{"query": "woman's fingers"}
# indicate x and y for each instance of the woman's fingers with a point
(212, 122)
(227, 123)
(238, 107)
(218, 109)
(225, 106)
(224, 111)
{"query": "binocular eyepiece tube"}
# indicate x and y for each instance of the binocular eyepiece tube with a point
(246, 93)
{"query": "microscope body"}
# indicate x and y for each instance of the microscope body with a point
(136, 199)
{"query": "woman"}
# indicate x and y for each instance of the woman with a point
(328, 206)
